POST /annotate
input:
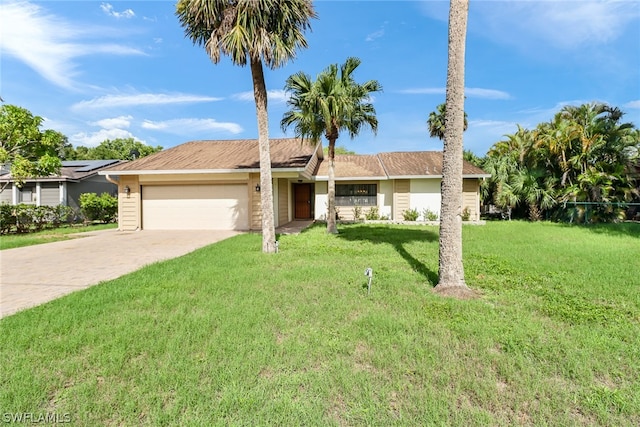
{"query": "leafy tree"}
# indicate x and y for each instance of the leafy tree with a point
(124, 149)
(266, 31)
(333, 103)
(436, 122)
(340, 149)
(25, 149)
(451, 270)
(76, 153)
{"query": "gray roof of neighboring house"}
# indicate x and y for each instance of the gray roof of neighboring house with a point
(71, 170)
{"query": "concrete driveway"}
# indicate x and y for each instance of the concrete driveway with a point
(33, 275)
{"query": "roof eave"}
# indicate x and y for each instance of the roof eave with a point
(352, 178)
(44, 179)
(478, 175)
(414, 176)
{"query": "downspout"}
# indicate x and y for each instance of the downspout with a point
(117, 183)
(113, 181)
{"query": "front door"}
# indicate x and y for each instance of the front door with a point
(302, 201)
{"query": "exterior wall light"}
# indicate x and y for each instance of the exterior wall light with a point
(127, 190)
(257, 188)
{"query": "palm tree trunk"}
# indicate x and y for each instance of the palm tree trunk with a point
(451, 269)
(266, 188)
(331, 191)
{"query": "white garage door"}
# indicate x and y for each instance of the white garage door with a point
(195, 207)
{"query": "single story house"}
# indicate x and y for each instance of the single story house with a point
(75, 177)
(216, 185)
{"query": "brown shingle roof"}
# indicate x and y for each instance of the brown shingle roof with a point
(417, 163)
(243, 154)
(223, 155)
(413, 163)
(349, 166)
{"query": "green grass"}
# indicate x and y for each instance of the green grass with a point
(230, 336)
(11, 241)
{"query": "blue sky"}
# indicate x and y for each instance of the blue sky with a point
(118, 69)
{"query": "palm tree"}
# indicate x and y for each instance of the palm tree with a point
(436, 122)
(268, 31)
(590, 149)
(333, 103)
(536, 188)
(451, 270)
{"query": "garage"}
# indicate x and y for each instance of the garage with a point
(195, 207)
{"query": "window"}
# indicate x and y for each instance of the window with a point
(356, 195)
(25, 195)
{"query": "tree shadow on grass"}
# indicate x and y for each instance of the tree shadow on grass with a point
(398, 238)
(631, 229)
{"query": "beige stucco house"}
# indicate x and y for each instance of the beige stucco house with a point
(216, 185)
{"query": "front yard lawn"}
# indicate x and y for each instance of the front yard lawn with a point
(229, 336)
(10, 241)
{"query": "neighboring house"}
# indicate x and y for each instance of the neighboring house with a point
(216, 185)
(76, 177)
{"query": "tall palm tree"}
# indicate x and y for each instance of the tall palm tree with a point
(268, 31)
(436, 122)
(333, 103)
(451, 270)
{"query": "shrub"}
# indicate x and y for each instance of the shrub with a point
(41, 216)
(63, 215)
(373, 214)
(466, 214)
(7, 218)
(410, 214)
(429, 215)
(25, 217)
(357, 212)
(102, 208)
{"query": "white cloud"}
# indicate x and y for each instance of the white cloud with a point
(552, 23)
(546, 23)
(108, 9)
(276, 96)
(191, 126)
(424, 91)
(482, 134)
(632, 104)
(476, 92)
(110, 101)
(114, 123)
(472, 92)
(375, 35)
(94, 139)
(48, 44)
